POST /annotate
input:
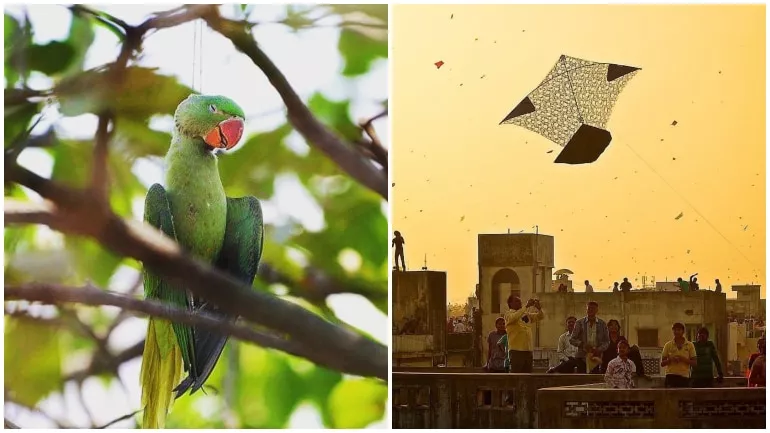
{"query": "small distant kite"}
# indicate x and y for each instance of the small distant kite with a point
(681, 214)
(439, 64)
(572, 105)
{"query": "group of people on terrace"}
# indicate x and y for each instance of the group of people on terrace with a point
(592, 346)
(690, 285)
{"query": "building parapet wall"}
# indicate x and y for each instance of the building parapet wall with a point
(655, 408)
(489, 400)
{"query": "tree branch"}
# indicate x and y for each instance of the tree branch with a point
(316, 285)
(375, 146)
(100, 365)
(73, 212)
(99, 174)
(57, 294)
(299, 115)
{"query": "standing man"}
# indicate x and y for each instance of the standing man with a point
(706, 354)
(518, 325)
(589, 287)
(678, 356)
(719, 286)
(625, 286)
(591, 337)
(566, 350)
(398, 243)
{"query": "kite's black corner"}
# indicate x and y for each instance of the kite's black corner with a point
(616, 71)
(525, 107)
(585, 146)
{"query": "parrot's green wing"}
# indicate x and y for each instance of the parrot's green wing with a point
(240, 255)
(157, 213)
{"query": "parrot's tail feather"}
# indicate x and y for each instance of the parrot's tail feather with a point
(208, 349)
(159, 373)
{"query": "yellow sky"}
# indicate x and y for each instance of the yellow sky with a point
(702, 66)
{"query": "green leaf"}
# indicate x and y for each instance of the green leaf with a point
(359, 51)
(72, 162)
(297, 19)
(80, 38)
(375, 11)
(268, 389)
(251, 169)
(92, 261)
(103, 19)
(334, 114)
(32, 360)
(17, 121)
(12, 32)
(319, 384)
(51, 58)
(356, 403)
(125, 186)
(137, 139)
(144, 93)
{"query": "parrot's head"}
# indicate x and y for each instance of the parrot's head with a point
(215, 119)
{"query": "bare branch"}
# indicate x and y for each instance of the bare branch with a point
(175, 17)
(18, 212)
(119, 419)
(375, 146)
(316, 285)
(299, 115)
(99, 173)
(356, 354)
(101, 365)
(56, 295)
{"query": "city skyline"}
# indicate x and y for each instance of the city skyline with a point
(680, 190)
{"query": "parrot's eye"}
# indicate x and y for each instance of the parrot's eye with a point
(212, 108)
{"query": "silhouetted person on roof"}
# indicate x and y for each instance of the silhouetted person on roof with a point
(684, 286)
(398, 242)
(719, 286)
(694, 286)
(625, 285)
(615, 287)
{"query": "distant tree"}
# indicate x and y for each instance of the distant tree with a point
(456, 310)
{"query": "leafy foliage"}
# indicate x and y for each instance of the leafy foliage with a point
(251, 387)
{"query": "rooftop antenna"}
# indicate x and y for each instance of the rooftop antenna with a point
(509, 231)
(425, 267)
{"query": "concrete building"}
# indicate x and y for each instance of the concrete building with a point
(419, 318)
(562, 279)
(747, 303)
(645, 316)
(520, 264)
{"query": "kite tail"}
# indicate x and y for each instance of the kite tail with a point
(159, 374)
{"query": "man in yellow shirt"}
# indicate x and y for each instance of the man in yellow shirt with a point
(518, 326)
(678, 356)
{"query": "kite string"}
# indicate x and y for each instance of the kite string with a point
(200, 55)
(691, 206)
(195, 54)
(572, 90)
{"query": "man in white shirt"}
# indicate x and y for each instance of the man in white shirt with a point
(460, 327)
(566, 351)
(589, 287)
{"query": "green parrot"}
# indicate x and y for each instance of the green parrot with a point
(226, 232)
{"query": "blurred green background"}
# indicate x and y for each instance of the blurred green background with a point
(78, 366)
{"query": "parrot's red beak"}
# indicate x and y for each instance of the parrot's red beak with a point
(225, 135)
